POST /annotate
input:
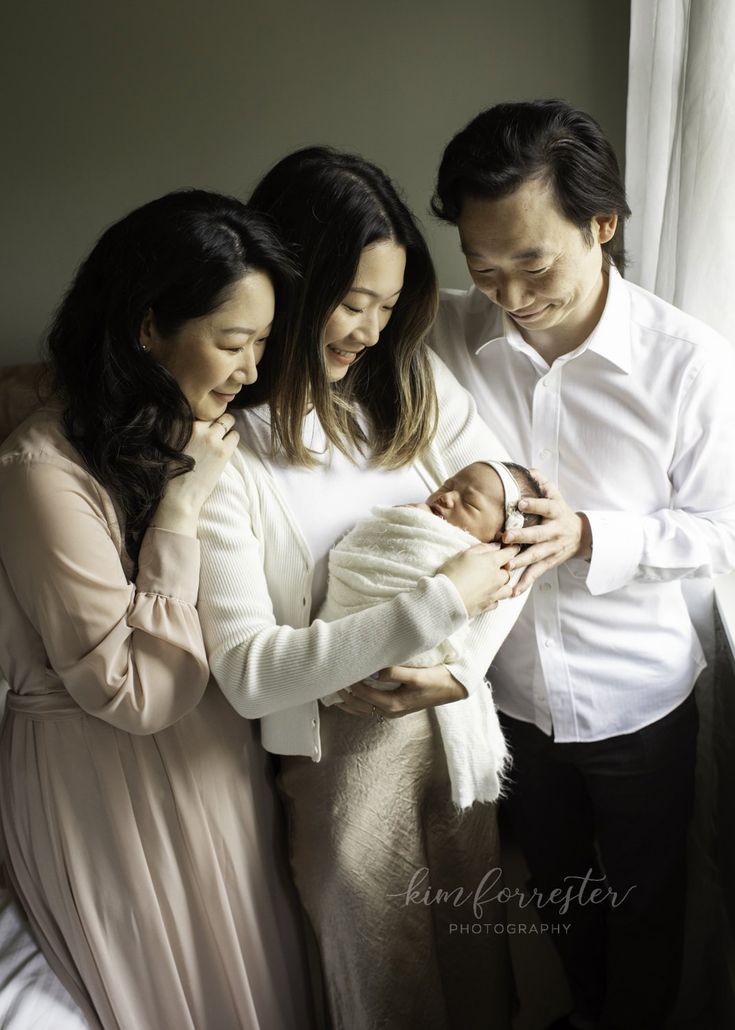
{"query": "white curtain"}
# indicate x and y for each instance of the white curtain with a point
(680, 179)
(680, 155)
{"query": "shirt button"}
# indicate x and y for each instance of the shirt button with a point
(303, 601)
(544, 454)
(546, 586)
(313, 722)
(548, 643)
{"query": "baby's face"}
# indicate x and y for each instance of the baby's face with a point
(474, 500)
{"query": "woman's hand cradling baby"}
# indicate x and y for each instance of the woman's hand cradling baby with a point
(480, 576)
(419, 689)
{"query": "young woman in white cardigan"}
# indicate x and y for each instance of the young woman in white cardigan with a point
(395, 864)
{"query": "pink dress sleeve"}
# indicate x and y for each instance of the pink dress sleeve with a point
(129, 653)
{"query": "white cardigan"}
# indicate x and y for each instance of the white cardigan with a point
(254, 607)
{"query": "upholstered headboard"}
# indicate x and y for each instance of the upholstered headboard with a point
(18, 398)
(18, 395)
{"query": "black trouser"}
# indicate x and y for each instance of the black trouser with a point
(618, 807)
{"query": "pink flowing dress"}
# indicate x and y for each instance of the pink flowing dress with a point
(139, 826)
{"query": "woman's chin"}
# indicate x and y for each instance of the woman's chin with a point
(336, 372)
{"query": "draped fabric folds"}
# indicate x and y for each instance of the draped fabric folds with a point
(680, 151)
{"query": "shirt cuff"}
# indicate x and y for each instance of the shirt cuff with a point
(168, 564)
(617, 549)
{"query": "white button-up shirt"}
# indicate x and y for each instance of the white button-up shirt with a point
(637, 427)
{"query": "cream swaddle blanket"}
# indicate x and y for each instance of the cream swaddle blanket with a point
(388, 553)
(382, 556)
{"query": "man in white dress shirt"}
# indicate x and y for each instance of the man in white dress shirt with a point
(626, 404)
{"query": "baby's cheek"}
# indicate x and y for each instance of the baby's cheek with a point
(419, 504)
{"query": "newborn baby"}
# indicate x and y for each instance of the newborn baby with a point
(483, 499)
(392, 549)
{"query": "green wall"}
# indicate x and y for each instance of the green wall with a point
(110, 104)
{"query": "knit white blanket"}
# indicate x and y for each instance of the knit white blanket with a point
(382, 556)
(386, 554)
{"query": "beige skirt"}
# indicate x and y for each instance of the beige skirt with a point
(395, 880)
(152, 868)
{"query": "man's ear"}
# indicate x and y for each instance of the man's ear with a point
(603, 227)
(149, 338)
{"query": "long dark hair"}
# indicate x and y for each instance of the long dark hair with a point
(176, 257)
(328, 206)
(507, 144)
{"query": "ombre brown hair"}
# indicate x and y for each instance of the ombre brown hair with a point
(327, 207)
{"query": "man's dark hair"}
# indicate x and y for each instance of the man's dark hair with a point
(542, 139)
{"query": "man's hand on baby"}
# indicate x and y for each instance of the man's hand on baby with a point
(419, 689)
(563, 534)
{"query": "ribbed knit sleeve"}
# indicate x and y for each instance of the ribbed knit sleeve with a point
(265, 667)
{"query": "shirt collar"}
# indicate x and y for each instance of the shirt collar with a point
(610, 338)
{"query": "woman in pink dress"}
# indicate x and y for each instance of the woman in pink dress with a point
(137, 816)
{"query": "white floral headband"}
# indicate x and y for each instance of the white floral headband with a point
(513, 517)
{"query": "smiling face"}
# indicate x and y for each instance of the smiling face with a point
(213, 357)
(473, 500)
(358, 320)
(529, 259)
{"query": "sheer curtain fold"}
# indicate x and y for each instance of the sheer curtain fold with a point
(680, 155)
(680, 158)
